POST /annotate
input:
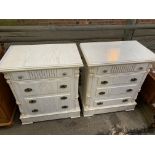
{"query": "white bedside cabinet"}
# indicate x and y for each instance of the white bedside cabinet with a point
(44, 80)
(113, 74)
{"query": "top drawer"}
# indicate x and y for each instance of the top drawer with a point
(40, 74)
(122, 68)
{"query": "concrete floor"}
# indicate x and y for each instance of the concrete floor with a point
(132, 122)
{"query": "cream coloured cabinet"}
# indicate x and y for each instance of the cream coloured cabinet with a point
(113, 74)
(44, 80)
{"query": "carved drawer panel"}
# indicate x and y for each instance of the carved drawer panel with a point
(40, 74)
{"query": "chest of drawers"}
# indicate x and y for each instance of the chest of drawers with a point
(112, 75)
(44, 80)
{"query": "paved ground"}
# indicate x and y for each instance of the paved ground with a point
(132, 122)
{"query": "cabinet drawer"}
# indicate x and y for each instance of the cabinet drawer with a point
(116, 92)
(46, 104)
(64, 72)
(42, 87)
(122, 68)
(40, 74)
(110, 102)
(119, 79)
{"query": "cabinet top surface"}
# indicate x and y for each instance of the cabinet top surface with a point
(117, 52)
(31, 57)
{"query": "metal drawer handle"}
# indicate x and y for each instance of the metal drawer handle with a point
(99, 103)
(32, 101)
(28, 90)
(133, 79)
(129, 90)
(64, 74)
(35, 110)
(104, 82)
(63, 98)
(64, 107)
(63, 86)
(20, 77)
(105, 71)
(140, 68)
(101, 93)
(125, 100)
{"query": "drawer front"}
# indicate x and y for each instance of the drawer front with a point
(122, 68)
(46, 104)
(65, 73)
(141, 67)
(111, 102)
(64, 86)
(41, 74)
(42, 87)
(116, 92)
(119, 79)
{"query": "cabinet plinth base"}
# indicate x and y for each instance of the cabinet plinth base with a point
(29, 119)
(93, 111)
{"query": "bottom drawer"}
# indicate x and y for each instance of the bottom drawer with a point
(47, 104)
(110, 102)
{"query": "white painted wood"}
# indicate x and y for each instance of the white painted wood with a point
(111, 102)
(44, 87)
(125, 68)
(40, 74)
(48, 104)
(44, 80)
(30, 57)
(93, 111)
(118, 52)
(29, 119)
(116, 92)
(111, 69)
(119, 79)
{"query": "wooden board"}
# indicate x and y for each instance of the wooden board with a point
(60, 35)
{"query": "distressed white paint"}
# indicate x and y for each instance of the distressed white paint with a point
(44, 80)
(28, 119)
(119, 107)
(32, 57)
(117, 52)
(110, 68)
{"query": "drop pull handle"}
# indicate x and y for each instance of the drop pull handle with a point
(125, 100)
(32, 101)
(129, 90)
(64, 107)
(20, 77)
(101, 93)
(104, 82)
(63, 86)
(133, 80)
(63, 98)
(105, 71)
(28, 90)
(99, 103)
(140, 68)
(35, 110)
(64, 74)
